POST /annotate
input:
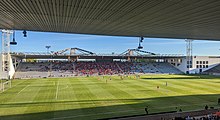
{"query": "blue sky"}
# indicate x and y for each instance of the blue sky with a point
(36, 42)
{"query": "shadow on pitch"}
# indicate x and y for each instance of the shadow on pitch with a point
(89, 110)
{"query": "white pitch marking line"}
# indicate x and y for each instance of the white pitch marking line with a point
(23, 89)
(57, 90)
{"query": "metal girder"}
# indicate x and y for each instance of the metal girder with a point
(72, 51)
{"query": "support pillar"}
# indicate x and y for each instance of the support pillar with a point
(189, 62)
(5, 52)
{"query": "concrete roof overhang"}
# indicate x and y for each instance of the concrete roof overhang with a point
(184, 19)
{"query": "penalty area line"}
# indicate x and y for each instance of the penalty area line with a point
(23, 89)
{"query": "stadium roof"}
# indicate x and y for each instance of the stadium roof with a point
(192, 19)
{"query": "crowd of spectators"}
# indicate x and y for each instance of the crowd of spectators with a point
(101, 68)
(80, 68)
(98, 68)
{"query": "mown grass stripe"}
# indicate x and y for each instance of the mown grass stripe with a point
(90, 98)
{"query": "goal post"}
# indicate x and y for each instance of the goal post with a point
(5, 85)
(1, 85)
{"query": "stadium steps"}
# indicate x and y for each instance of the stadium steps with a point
(215, 69)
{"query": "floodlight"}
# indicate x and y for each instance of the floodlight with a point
(13, 40)
(141, 39)
(48, 47)
(25, 33)
(140, 47)
(13, 43)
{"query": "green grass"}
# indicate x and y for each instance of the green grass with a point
(93, 98)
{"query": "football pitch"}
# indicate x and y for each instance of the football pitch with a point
(105, 97)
